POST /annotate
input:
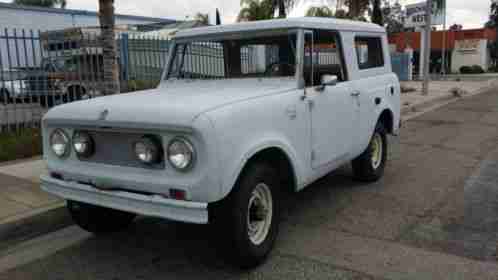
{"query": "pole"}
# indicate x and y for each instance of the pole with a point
(443, 60)
(421, 56)
(427, 47)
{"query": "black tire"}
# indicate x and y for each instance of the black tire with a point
(231, 217)
(364, 168)
(98, 220)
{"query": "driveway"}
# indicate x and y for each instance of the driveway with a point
(432, 216)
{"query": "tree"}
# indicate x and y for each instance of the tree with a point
(109, 48)
(42, 3)
(340, 13)
(202, 18)
(323, 11)
(493, 23)
(255, 10)
(393, 17)
(357, 8)
(493, 16)
(377, 13)
(456, 27)
(283, 6)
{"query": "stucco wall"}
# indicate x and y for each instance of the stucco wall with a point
(478, 56)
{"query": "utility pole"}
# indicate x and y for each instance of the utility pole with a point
(427, 47)
(443, 59)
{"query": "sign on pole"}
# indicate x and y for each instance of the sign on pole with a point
(415, 13)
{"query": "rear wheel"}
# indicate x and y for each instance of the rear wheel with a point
(98, 219)
(369, 166)
(250, 216)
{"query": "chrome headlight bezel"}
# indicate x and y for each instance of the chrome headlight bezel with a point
(150, 145)
(66, 141)
(190, 152)
(84, 138)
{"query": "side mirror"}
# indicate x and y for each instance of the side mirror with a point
(329, 80)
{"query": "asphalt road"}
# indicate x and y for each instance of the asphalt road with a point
(433, 216)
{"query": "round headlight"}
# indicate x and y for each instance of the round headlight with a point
(83, 144)
(148, 150)
(59, 142)
(181, 154)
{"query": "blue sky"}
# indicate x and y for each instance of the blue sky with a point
(470, 13)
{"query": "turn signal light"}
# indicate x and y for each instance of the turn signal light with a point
(178, 194)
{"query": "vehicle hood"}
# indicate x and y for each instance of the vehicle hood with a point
(173, 103)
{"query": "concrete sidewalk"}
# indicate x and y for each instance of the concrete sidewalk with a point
(440, 93)
(25, 209)
(22, 201)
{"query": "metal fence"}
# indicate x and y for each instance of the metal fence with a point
(39, 70)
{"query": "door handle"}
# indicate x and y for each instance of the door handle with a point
(355, 93)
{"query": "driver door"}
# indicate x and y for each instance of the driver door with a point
(330, 106)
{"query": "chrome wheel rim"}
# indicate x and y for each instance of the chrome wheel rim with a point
(259, 214)
(376, 150)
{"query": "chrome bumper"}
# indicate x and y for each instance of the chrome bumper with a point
(148, 205)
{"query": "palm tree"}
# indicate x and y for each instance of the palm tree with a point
(42, 3)
(323, 11)
(109, 48)
(202, 18)
(255, 10)
(377, 13)
(283, 6)
(357, 8)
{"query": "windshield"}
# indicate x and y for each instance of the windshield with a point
(249, 57)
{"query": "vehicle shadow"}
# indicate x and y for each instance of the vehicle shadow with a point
(153, 247)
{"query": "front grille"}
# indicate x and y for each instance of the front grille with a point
(115, 148)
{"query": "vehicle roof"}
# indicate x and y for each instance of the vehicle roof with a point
(288, 23)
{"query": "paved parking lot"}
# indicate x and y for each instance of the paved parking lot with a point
(433, 216)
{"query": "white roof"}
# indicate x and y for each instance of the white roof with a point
(288, 23)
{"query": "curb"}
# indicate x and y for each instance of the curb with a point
(19, 228)
(21, 160)
(414, 110)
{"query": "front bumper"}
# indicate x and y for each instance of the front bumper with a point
(148, 205)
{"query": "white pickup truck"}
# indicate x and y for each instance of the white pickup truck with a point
(244, 114)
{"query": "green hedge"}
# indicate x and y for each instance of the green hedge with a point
(17, 145)
(474, 69)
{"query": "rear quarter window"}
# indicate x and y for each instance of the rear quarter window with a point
(369, 52)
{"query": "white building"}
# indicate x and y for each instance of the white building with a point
(20, 26)
(37, 18)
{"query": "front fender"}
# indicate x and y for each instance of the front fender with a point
(270, 141)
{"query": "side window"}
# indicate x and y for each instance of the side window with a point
(323, 56)
(369, 52)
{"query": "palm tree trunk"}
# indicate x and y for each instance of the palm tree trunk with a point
(281, 9)
(354, 8)
(109, 47)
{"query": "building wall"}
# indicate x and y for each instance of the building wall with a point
(468, 57)
(20, 17)
(15, 19)
(403, 39)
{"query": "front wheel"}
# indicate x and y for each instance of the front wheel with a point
(250, 215)
(98, 220)
(369, 166)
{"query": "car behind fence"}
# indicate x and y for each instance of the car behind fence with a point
(39, 70)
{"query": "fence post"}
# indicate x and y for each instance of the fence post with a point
(124, 55)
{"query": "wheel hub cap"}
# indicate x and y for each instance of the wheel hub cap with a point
(259, 214)
(376, 150)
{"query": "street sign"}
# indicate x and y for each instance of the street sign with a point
(415, 14)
